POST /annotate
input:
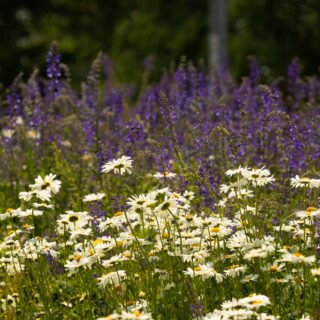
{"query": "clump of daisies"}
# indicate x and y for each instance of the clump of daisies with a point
(244, 308)
(20, 245)
(162, 246)
(259, 177)
(245, 181)
(136, 310)
(42, 188)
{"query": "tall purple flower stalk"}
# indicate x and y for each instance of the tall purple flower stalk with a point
(54, 70)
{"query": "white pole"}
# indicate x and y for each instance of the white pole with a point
(217, 33)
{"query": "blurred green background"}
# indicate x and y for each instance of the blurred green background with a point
(275, 31)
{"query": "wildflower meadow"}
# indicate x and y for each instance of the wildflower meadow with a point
(196, 197)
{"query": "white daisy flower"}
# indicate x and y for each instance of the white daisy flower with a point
(308, 213)
(204, 271)
(315, 272)
(93, 197)
(264, 251)
(113, 278)
(249, 278)
(298, 182)
(235, 270)
(133, 314)
(274, 267)
(236, 171)
(298, 257)
(136, 315)
(118, 166)
(43, 195)
(254, 301)
(164, 175)
(7, 133)
(241, 193)
(47, 183)
(42, 205)
(33, 134)
(260, 176)
(222, 203)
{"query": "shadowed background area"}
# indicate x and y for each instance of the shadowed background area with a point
(144, 33)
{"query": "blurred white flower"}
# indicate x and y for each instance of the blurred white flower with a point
(7, 133)
(298, 182)
(113, 278)
(297, 257)
(164, 175)
(93, 197)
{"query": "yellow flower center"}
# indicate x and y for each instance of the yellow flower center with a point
(281, 280)
(166, 235)
(10, 232)
(215, 229)
(77, 257)
(9, 210)
(273, 268)
(97, 241)
(136, 313)
(189, 216)
(26, 226)
(117, 287)
(297, 254)
(131, 302)
(257, 302)
(119, 213)
(311, 209)
(198, 268)
(119, 243)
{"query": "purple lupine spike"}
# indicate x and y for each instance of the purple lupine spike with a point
(14, 99)
(103, 156)
(117, 104)
(193, 310)
(54, 70)
(35, 116)
(136, 132)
